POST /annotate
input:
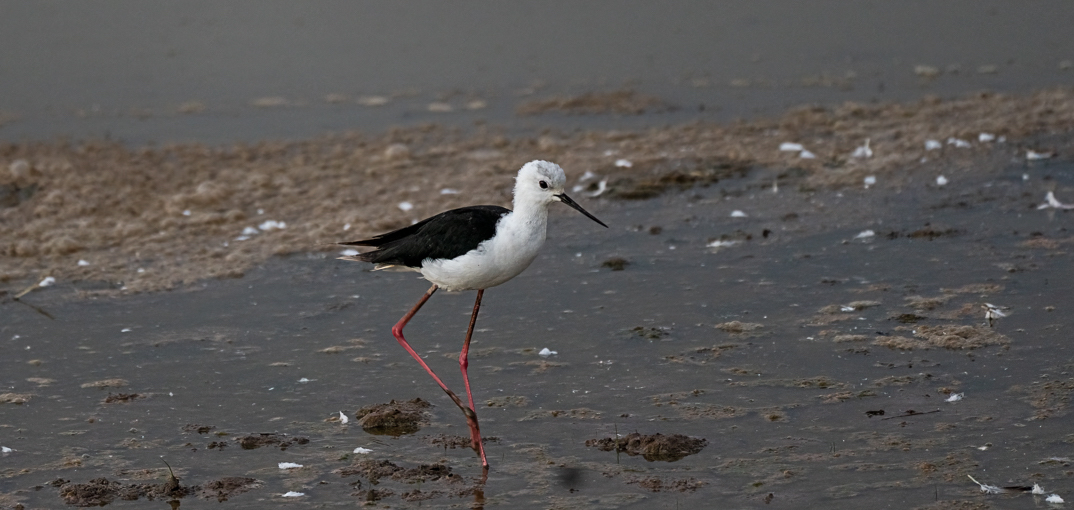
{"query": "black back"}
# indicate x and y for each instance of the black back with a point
(447, 235)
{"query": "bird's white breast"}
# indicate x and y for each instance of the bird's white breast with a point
(495, 260)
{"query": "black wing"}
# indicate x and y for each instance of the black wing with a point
(444, 236)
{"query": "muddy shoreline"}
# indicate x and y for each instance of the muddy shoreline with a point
(100, 218)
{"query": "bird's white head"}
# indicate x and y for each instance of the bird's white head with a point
(540, 183)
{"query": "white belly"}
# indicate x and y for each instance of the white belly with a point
(492, 263)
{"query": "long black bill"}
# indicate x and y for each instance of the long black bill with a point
(567, 200)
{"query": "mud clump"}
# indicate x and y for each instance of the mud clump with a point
(282, 441)
(200, 429)
(451, 442)
(393, 418)
(650, 333)
(700, 355)
(652, 447)
(953, 337)
(375, 470)
(14, 398)
(114, 398)
(615, 263)
(102, 491)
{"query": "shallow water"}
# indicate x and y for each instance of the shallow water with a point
(783, 407)
(247, 71)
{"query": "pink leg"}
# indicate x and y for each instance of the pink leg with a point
(471, 417)
(475, 432)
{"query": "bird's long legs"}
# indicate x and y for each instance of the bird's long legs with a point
(471, 416)
(475, 433)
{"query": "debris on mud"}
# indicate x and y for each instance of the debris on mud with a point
(200, 429)
(909, 318)
(394, 418)
(14, 398)
(654, 447)
(850, 338)
(113, 398)
(922, 303)
(651, 333)
(820, 382)
(282, 441)
(738, 327)
(656, 484)
(580, 413)
(1050, 397)
(854, 306)
(842, 396)
(954, 337)
(106, 383)
(700, 355)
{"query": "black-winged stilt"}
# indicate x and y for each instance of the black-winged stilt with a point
(472, 248)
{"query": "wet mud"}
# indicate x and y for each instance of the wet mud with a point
(856, 303)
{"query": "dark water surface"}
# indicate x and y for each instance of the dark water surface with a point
(637, 350)
(166, 72)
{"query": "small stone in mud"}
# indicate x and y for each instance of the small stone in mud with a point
(393, 418)
(650, 333)
(615, 263)
(652, 447)
(284, 442)
(113, 398)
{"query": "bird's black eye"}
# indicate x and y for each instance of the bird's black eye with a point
(544, 185)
